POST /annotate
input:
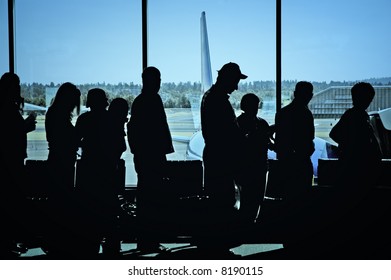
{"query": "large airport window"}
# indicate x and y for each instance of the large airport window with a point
(243, 32)
(98, 44)
(88, 43)
(334, 44)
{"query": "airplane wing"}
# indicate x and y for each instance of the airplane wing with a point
(28, 107)
(385, 117)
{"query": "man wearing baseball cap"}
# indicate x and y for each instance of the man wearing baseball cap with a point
(231, 69)
(221, 155)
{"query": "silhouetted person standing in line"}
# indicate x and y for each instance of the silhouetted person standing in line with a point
(252, 178)
(13, 146)
(359, 162)
(150, 141)
(94, 172)
(221, 154)
(118, 117)
(116, 144)
(294, 145)
(294, 141)
(63, 145)
(359, 150)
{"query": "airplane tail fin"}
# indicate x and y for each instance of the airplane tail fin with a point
(206, 71)
(206, 74)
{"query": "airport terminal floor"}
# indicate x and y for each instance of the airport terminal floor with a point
(176, 251)
(187, 251)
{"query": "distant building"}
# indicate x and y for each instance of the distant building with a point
(334, 101)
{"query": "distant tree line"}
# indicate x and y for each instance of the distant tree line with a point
(179, 95)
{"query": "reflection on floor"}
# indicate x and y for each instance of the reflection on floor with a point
(176, 251)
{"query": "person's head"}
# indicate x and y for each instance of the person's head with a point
(250, 104)
(119, 109)
(303, 92)
(362, 95)
(151, 79)
(10, 89)
(67, 98)
(97, 99)
(229, 76)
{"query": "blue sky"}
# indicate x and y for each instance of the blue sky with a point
(100, 41)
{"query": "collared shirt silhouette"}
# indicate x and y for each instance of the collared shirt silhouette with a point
(150, 141)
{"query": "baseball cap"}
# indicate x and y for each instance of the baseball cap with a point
(232, 69)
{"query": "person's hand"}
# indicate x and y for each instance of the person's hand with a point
(30, 122)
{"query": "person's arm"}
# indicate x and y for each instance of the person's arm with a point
(337, 133)
(30, 122)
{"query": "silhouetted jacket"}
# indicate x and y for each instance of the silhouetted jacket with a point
(220, 130)
(257, 132)
(62, 138)
(13, 144)
(295, 132)
(355, 137)
(148, 131)
(93, 130)
(116, 140)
